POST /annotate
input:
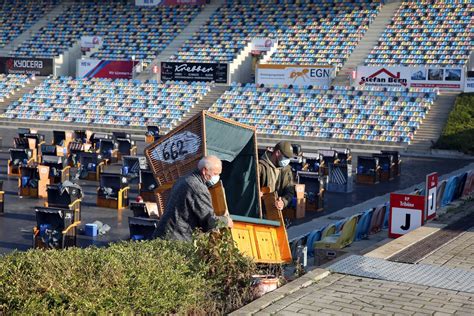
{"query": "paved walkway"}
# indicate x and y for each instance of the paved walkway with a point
(320, 292)
(340, 294)
(459, 253)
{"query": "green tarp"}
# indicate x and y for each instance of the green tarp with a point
(235, 146)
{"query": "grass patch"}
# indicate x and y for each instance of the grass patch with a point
(458, 133)
(148, 277)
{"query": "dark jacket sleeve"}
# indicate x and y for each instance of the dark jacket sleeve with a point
(204, 211)
(289, 187)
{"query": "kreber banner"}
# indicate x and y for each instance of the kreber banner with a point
(26, 66)
(183, 71)
(296, 75)
(406, 214)
(447, 78)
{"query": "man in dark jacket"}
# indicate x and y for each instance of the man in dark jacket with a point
(275, 173)
(189, 204)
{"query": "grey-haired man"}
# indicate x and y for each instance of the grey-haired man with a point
(189, 204)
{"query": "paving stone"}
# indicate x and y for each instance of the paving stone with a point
(328, 306)
(362, 313)
(332, 312)
(410, 308)
(396, 310)
(287, 313)
(273, 308)
(307, 306)
(308, 312)
(439, 309)
(371, 310)
(346, 305)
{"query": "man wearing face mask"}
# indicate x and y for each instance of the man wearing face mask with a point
(189, 204)
(275, 173)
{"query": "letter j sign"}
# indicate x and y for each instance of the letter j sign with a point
(406, 214)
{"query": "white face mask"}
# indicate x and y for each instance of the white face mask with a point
(213, 180)
(284, 162)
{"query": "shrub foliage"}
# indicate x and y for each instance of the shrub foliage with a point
(458, 133)
(150, 277)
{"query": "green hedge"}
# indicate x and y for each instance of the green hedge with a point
(152, 277)
(458, 133)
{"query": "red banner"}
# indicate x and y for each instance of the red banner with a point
(406, 214)
(111, 69)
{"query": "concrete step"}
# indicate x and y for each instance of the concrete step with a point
(433, 124)
(27, 34)
(368, 41)
(20, 92)
(205, 103)
(182, 37)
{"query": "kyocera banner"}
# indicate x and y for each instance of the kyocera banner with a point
(297, 75)
(112, 69)
(26, 66)
(446, 78)
(151, 3)
(182, 71)
(88, 42)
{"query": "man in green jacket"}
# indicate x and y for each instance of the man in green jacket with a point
(275, 173)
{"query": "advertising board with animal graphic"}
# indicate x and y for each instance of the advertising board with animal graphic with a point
(296, 75)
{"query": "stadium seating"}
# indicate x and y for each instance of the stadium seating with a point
(107, 102)
(368, 114)
(426, 32)
(17, 16)
(127, 30)
(309, 32)
(8, 84)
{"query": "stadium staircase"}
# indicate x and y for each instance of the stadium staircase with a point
(205, 103)
(26, 35)
(366, 44)
(433, 124)
(185, 35)
(20, 92)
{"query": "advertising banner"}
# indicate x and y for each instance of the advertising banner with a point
(111, 69)
(446, 78)
(26, 66)
(262, 44)
(89, 42)
(430, 198)
(406, 214)
(183, 71)
(147, 3)
(180, 2)
(152, 3)
(297, 75)
(469, 82)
